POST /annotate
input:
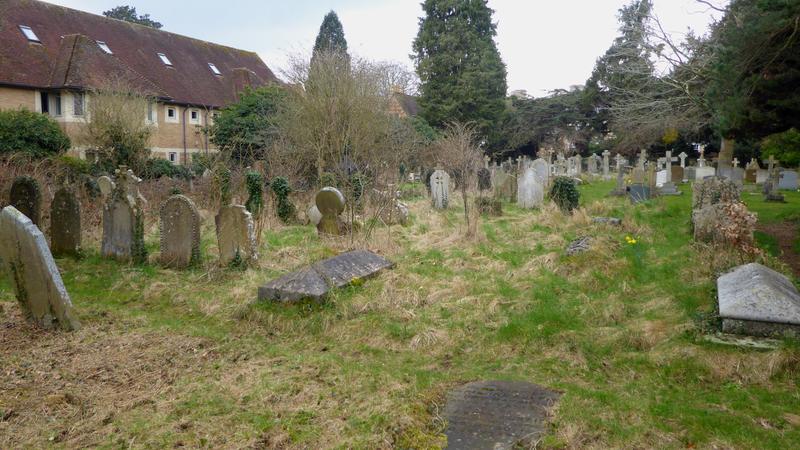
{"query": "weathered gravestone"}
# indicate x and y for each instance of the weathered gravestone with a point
(180, 233)
(26, 197)
(676, 175)
(497, 415)
(788, 180)
(330, 203)
(440, 189)
(484, 179)
(638, 193)
(542, 169)
(25, 257)
(123, 222)
(106, 186)
(65, 223)
(236, 237)
(530, 191)
(313, 215)
(756, 300)
(315, 281)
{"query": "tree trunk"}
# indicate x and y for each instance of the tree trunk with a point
(725, 158)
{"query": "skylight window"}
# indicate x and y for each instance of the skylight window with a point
(28, 32)
(105, 47)
(214, 69)
(164, 59)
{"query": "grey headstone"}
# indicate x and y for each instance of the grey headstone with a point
(788, 180)
(638, 193)
(608, 220)
(542, 169)
(530, 191)
(330, 203)
(65, 223)
(235, 235)
(497, 415)
(754, 299)
(25, 257)
(440, 189)
(26, 197)
(315, 281)
(676, 174)
(119, 224)
(762, 175)
(180, 233)
(106, 186)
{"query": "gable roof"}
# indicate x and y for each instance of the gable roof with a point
(69, 57)
(406, 103)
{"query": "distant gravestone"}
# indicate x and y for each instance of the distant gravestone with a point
(440, 189)
(26, 197)
(702, 172)
(676, 174)
(762, 175)
(662, 177)
(638, 193)
(637, 176)
(330, 203)
(106, 186)
(65, 223)
(788, 180)
(484, 179)
(497, 415)
(530, 192)
(180, 233)
(606, 168)
(25, 257)
(542, 170)
(756, 300)
(315, 281)
(236, 236)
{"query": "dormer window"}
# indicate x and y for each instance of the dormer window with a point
(214, 69)
(28, 32)
(104, 47)
(165, 60)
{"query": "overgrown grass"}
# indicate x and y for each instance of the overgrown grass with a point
(617, 329)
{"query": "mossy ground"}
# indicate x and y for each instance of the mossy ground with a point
(168, 358)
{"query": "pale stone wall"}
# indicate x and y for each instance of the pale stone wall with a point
(14, 98)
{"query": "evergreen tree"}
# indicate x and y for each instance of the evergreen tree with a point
(330, 38)
(128, 14)
(462, 76)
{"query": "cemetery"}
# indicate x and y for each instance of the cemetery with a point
(336, 275)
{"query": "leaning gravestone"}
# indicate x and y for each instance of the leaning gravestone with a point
(26, 197)
(530, 192)
(756, 300)
(497, 415)
(65, 223)
(180, 233)
(24, 255)
(440, 189)
(330, 204)
(236, 237)
(315, 281)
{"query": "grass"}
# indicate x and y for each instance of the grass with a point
(169, 358)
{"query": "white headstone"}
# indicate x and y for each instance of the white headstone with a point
(440, 189)
(530, 191)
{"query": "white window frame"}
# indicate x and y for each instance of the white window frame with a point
(214, 69)
(164, 59)
(103, 46)
(172, 157)
(195, 121)
(57, 105)
(29, 34)
(175, 119)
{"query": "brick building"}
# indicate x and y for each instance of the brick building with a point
(52, 57)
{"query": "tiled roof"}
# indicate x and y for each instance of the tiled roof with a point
(69, 57)
(408, 103)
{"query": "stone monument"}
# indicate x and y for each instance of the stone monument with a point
(65, 223)
(180, 233)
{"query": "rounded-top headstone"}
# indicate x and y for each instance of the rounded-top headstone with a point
(330, 201)
(106, 185)
(180, 232)
(26, 197)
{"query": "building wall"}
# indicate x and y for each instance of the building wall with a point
(14, 98)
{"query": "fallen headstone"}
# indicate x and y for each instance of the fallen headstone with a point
(315, 281)
(497, 415)
(579, 245)
(27, 260)
(608, 220)
(758, 301)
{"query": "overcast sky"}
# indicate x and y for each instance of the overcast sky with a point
(546, 44)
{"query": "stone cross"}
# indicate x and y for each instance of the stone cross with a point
(735, 162)
(701, 162)
(771, 163)
(683, 157)
(618, 159)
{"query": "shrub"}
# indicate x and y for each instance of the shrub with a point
(729, 224)
(255, 191)
(155, 168)
(285, 208)
(28, 132)
(565, 194)
(489, 206)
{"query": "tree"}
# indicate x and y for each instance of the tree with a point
(785, 147)
(28, 132)
(248, 128)
(462, 76)
(128, 14)
(330, 39)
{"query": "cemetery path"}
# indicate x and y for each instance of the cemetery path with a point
(786, 234)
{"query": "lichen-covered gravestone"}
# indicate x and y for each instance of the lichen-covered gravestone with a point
(123, 221)
(530, 193)
(180, 233)
(65, 223)
(236, 235)
(330, 203)
(106, 186)
(25, 257)
(440, 189)
(26, 197)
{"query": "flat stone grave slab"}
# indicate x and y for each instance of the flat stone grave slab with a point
(580, 245)
(497, 414)
(758, 301)
(315, 281)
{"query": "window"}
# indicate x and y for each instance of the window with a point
(57, 104)
(105, 47)
(214, 69)
(77, 103)
(150, 113)
(173, 157)
(164, 59)
(194, 116)
(28, 32)
(172, 115)
(45, 101)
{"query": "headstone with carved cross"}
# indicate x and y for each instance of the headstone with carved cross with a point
(440, 189)
(683, 157)
(701, 161)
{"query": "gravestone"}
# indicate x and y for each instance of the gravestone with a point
(662, 177)
(180, 233)
(330, 203)
(65, 223)
(591, 164)
(542, 170)
(579, 245)
(788, 180)
(762, 175)
(683, 157)
(606, 168)
(637, 176)
(27, 260)
(440, 189)
(701, 172)
(26, 197)
(484, 179)
(676, 174)
(236, 237)
(497, 415)
(638, 193)
(106, 186)
(123, 221)
(315, 281)
(756, 300)
(530, 193)
(314, 216)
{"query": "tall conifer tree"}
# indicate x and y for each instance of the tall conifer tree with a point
(331, 37)
(462, 76)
